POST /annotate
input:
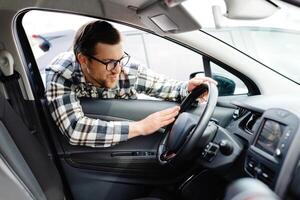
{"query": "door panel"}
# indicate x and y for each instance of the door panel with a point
(132, 162)
(115, 109)
(131, 167)
(88, 184)
(129, 164)
(135, 158)
(123, 109)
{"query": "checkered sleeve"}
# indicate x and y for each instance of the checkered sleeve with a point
(160, 86)
(67, 113)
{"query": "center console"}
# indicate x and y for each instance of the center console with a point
(270, 145)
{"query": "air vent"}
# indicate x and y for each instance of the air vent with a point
(238, 113)
(249, 126)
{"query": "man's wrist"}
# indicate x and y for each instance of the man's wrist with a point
(134, 129)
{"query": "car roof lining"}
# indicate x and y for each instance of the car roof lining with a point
(138, 13)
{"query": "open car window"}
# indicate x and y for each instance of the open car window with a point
(52, 33)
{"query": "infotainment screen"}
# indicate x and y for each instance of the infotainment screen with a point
(269, 136)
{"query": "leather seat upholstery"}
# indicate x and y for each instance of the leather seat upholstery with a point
(25, 168)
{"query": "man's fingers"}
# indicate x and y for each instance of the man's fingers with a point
(169, 110)
(204, 95)
(196, 81)
(207, 79)
(169, 116)
(199, 81)
(167, 122)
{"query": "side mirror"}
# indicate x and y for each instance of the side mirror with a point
(43, 43)
(225, 85)
(45, 46)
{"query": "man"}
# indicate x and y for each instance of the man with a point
(100, 68)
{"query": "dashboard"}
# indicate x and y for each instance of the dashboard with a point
(269, 126)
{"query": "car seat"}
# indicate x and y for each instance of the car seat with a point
(26, 172)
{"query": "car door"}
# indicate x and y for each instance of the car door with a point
(131, 167)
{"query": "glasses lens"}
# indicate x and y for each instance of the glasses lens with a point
(124, 60)
(112, 64)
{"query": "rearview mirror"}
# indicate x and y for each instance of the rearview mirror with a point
(225, 85)
(250, 9)
(244, 10)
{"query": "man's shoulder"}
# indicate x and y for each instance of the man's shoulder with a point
(132, 67)
(64, 64)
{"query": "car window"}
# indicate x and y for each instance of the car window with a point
(52, 33)
(171, 59)
(228, 84)
(48, 37)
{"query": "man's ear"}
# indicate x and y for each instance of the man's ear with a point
(82, 59)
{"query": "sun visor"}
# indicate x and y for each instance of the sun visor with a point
(163, 19)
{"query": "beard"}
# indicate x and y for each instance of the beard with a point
(108, 83)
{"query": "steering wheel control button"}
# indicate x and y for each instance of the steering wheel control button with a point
(287, 133)
(278, 152)
(226, 147)
(210, 151)
(265, 175)
(251, 165)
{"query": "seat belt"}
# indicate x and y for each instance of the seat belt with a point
(10, 80)
(16, 99)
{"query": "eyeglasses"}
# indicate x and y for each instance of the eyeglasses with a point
(112, 64)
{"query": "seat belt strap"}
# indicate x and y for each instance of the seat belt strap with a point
(16, 99)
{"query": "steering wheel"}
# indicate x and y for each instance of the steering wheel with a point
(182, 138)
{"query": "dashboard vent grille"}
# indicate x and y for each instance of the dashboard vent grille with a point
(250, 124)
(238, 113)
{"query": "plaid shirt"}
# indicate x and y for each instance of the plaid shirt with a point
(66, 85)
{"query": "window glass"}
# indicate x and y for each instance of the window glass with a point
(172, 59)
(51, 33)
(228, 84)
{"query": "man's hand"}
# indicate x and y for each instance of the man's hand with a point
(196, 81)
(153, 122)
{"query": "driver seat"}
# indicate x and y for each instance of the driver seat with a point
(26, 171)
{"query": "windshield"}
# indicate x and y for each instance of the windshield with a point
(274, 40)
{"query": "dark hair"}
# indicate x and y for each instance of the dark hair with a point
(91, 33)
